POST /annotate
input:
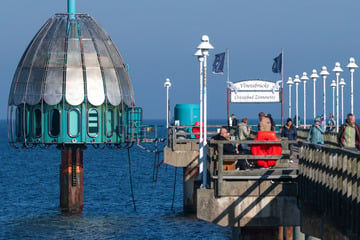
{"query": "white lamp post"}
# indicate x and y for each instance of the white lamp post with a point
(290, 83)
(200, 57)
(337, 70)
(204, 46)
(297, 81)
(351, 66)
(167, 85)
(324, 73)
(304, 78)
(314, 76)
(342, 84)
(333, 85)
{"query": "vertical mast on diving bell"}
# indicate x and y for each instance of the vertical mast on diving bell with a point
(71, 8)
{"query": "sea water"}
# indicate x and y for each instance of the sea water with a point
(29, 197)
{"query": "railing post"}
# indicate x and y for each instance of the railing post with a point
(220, 168)
(174, 133)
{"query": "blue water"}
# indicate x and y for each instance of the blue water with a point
(29, 197)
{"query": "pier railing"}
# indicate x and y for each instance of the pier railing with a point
(329, 181)
(223, 179)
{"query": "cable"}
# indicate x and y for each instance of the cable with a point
(131, 187)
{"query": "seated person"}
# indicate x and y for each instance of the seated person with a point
(229, 148)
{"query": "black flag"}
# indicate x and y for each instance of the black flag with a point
(218, 65)
(276, 67)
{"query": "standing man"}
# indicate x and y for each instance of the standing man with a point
(233, 127)
(244, 132)
(331, 124)
(289, 131)
(349, 136)
(261, 116)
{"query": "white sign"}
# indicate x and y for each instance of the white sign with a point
(255, 91)
(255, 85)
(255, 97)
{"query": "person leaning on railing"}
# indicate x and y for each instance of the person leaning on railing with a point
(348, 136)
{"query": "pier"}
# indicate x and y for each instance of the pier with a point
(314, 196)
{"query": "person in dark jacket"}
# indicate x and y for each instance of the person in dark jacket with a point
(349, 136)
(229, 148)
(289, 130)
(233, 127)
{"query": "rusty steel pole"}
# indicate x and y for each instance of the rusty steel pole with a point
(71, 180)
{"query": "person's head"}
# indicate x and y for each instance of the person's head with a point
(350, 119)
(317, 121)
(261, 115)
(223, 132)
(245, 120)
(289, 122)
(331, 115)
(233, 116)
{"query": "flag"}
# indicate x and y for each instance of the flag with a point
(218, 65)
(276, 67)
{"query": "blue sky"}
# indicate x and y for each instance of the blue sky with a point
(158, 39)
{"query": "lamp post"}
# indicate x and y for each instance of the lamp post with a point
(297, 81)
(290, 83)
(314, 76)
(333, 85)
(167, 85)
(337, 70)
(351, 66)
(324, 73)
(342, 84)
(304, 78)
(200, 57)
(204, 46)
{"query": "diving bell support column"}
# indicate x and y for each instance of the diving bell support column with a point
(71, 180)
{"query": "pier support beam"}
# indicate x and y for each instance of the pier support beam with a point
(191, 173)
(71, 180)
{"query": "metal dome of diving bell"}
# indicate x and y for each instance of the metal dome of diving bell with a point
(71, 86)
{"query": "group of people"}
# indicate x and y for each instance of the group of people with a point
(348, 136)
(241, 131)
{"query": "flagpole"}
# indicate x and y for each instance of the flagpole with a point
(227, 87)
(282, 86)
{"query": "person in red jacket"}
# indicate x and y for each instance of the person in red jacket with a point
(349, 136)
